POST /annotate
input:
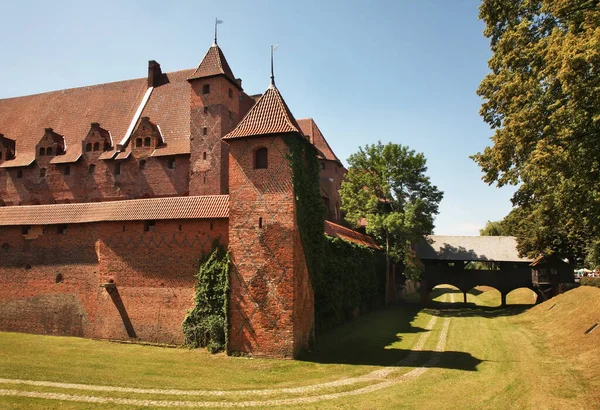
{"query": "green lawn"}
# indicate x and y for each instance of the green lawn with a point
(492, 359)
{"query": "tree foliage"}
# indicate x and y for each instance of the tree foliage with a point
(542, 99)
(387, 185)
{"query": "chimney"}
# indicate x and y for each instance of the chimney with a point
(154, 74)
(239, 82)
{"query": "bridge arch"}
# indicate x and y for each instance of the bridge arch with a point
(522, 296)
(446, 293)
(486, 295)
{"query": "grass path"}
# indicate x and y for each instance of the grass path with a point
(448, 358)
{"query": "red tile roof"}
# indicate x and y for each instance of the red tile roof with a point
(175, 147)
(113, 105)
(185, 207)
(338, 231)
(21, 160)
(312, 131)
(72, 155)
(270, 115)
(213, 63)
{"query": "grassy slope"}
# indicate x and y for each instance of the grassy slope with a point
(496, 359)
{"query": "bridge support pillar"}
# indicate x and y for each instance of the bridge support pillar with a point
(424, 293)
(503, 299)
(465, 297)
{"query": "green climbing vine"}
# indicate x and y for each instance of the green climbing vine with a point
(310, 211)
(344, 275)
(206, 324)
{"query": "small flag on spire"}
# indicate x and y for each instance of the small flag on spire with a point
(217, 22)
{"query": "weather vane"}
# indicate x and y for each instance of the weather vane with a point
(217, 22)
(273, 48)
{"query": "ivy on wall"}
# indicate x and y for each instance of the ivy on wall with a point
(206, 324)
(344, 275)
(354, 277)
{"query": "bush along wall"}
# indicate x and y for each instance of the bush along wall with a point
(344, 275)
(589, 281)
(207, 323)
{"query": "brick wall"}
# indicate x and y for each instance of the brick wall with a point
(50, 282)
(271, 306)
(212, 115)
(331, 176)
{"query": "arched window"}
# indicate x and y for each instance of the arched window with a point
(138, 142)
(92, 169)
(42, 151)
(96, 146)
(88, 147)
(261, 158)
(49, 151)
(147, 142)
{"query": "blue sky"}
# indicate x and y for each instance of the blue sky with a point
(403, 71)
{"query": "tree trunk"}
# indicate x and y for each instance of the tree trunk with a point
(387, 268)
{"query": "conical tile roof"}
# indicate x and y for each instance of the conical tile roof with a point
(270, 115)
(213, 63)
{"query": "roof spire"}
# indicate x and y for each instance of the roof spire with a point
(273, 48)
(217, 22)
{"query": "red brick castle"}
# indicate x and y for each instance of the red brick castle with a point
(122, 187)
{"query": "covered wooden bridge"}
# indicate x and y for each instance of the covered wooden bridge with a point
(469, 261)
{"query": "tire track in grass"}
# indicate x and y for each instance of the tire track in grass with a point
(373, 376)
(416, 372)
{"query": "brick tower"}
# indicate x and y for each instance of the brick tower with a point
(271, 298)
(215, 97)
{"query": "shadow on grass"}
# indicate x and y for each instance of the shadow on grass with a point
(369, 339)
(472, 310)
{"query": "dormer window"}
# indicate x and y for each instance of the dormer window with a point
(42, 151)
(96, 146)
(49, 151)
(147, 142)
(261, 158)
(88, 147)
(206, 89)
(138, 142)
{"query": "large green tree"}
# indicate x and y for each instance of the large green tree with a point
(542, 99)
(386, 186)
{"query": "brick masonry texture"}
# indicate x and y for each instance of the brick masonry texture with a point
(112, 279)
(51, 282)
(271, 306)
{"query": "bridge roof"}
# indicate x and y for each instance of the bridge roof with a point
(470, 248)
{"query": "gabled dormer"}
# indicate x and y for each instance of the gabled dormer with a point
(97, 140)
(50, 145)
(7, 148)
(145, 138)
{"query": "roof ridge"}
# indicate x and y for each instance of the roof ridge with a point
(91, 85)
